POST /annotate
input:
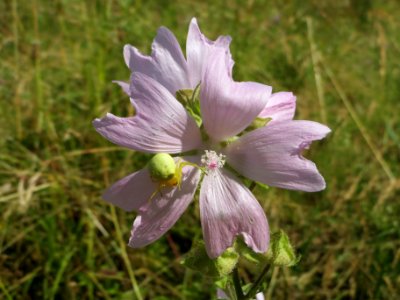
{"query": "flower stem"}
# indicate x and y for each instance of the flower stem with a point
(237, 285)
(254, 289)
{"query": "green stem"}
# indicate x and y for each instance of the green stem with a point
(237, 285)
(254, 289)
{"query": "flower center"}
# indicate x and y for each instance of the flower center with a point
(212, 161)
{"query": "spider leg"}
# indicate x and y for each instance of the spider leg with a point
(154, 194)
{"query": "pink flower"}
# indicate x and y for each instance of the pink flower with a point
(280, 107)
(271, 154)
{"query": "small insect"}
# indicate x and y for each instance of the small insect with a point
(166, 172)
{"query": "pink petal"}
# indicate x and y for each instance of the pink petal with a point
(228, 209)
(131, 192)
(124, 86)
(228, 107)
(198, 48)
(272, 155)
(158, 215)
(167, 65)
(221, 294)
(161, 123)
(260, 296)
(280, 107)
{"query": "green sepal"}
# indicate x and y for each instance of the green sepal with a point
(257, 123)
(195, 113)
(222, 282)
(228, 141)
(281, 252)
(191, 101)
(251, 184)
(260, 122)
(198, 260)
(227, 261)
(247, 253)
(262, 185)
(184, 96)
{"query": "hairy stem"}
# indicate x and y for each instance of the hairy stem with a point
(237, 285)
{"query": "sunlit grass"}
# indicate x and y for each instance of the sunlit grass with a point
(59, 240)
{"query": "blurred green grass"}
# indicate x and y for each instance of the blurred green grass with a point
(59, 240)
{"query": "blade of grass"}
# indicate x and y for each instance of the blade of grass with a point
(89, 261)
(317, 71)
(24, 280)
(272, 283)
(98, 285)
(5, 292)
(61, 270)
(124, 254)
(17, 102)
(364, 132)
(37, 67)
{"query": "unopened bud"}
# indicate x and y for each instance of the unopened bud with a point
(190, 99)
(281, 252)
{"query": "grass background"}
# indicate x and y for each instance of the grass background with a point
(59, 240)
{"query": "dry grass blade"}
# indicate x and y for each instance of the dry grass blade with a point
(124, 254)
(364, 132)
(317, 71)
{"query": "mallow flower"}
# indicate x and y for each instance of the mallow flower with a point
(271, 154)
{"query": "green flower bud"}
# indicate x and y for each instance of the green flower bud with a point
(281, 252)
(190, 100)
(162, 167)
(184, 96)
(198, 260)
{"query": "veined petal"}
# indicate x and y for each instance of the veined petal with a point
(124, 86)
(198, 49)
(228, 209)
(161, 124)
(280, 107)
(228, 107)
(167, 65)
(272, 155)
(131, 192)
(159, 214)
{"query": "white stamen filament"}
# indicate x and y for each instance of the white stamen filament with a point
(211, 160)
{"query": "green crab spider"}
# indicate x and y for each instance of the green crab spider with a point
(166, 172)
